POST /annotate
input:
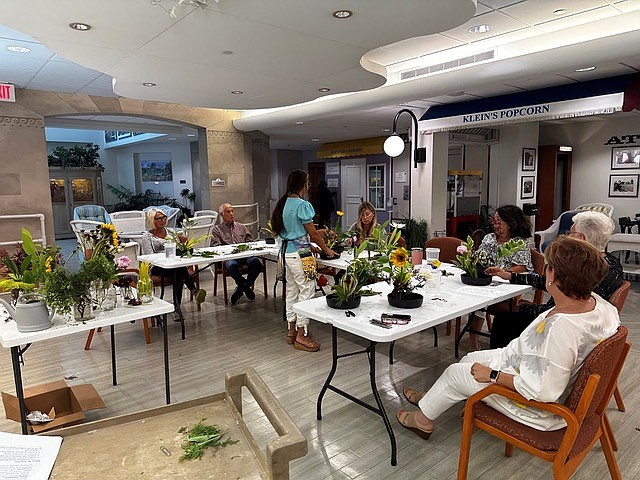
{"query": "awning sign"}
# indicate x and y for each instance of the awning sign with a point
(7, 92)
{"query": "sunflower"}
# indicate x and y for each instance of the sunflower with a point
(399, 257)
(340, 213)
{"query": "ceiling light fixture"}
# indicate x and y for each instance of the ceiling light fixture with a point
(481, 28)
(237, 92)
(585, 69)
(79, 26)
(18, 49)
(342, 14)
(299, 123)
(565, 148)
(315, 139)
(394, 145)
(560, 11)
(324, 89)
(148, 84)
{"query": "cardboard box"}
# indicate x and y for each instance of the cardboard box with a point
(67, 402)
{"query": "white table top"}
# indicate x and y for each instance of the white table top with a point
(224, 251)
(11, 337)
(456, 299)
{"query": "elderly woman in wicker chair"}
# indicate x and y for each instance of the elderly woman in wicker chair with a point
(541, 364)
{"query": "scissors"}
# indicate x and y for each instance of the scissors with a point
(349, 313)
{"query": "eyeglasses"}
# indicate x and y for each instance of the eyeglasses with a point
(160, 218)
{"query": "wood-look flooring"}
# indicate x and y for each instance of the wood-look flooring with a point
(350, 442)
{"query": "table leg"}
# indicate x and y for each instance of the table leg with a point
(113, 353)
(334, 365)
(17, 377)
(167, 385)
(376, 395)
(462, 332)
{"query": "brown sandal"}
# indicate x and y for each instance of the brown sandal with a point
(409, 423)
(412, 395)
(291, 337)
(309, 345)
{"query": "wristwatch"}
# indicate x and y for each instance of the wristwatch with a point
(493, 376)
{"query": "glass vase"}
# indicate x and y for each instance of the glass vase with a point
(145, 290)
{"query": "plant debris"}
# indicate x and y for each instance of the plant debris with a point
(200, 437)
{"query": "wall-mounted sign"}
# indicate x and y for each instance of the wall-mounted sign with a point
(332, 168)
(623, 139)
(332, 182)
(219, 182)
(7, 92)
(400, 177)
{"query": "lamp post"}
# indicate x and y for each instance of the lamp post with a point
(394, 145)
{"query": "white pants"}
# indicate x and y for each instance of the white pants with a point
(298, 289)
(456, 384)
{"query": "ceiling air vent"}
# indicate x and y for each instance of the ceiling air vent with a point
(441, 67)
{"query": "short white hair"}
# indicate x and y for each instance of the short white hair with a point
(596, 228)
(221, 207)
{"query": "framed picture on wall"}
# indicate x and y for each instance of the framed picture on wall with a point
(625, 157)
(527, 186)
(623, 185)
(528, 159)
(156, 170)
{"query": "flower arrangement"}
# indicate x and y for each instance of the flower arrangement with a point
(102, 240)
(334, 238)
(28, 267)
(123, 263)
(402, 275)
(185, 245)
(474, 261)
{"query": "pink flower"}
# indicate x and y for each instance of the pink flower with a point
(461, 250)
(123, 262)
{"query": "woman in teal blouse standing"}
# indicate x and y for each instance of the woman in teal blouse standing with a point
(292, 221)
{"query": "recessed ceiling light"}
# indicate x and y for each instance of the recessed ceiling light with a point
(315, 139)
(385, 130)
(324, 89)
(148, 84)
(18, 49)
(299, 123)
(82, 27)
(560, 11)
(342, 13)
(227, 52)
(585, 69)
(237, 92)
(481, 28)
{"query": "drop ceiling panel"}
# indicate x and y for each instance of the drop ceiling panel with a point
(540, 11)
(16, 76)
(540, 81)
(582, 18)
(23, 62)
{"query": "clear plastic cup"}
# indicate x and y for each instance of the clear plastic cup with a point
(170, 249)
(432, 253)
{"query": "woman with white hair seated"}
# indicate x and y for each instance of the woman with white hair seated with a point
(592, 227)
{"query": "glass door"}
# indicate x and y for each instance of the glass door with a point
(376, 186)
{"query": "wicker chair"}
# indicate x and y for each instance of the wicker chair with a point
(584, 411)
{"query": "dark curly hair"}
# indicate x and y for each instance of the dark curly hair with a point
(519, 225)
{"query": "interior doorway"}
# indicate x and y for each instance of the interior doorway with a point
(554, 184)
(316, 171)
(354, 188)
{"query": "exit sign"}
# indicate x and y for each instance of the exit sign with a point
(7, 92)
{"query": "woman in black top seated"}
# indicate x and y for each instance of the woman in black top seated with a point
(593, 227)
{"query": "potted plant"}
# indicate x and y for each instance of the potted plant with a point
(404, 278)
(474, 261)
(270, 234)
(334, 239)
(346, 293)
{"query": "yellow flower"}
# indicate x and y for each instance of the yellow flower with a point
(114, 236)
(399, 257)
(47, 265)
(108, 226)
(540, 327)
(340, 213)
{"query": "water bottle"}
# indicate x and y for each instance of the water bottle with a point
(110, 299)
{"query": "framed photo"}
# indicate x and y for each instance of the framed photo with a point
(625, 158)
(528, 159)
(156, 170)
(623, 185)
(527, 186)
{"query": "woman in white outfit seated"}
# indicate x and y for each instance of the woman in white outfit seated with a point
(542, 363)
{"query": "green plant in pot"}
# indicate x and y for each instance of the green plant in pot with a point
(474, 261)
(404, 278)
(346, 293)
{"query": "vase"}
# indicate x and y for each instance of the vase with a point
(145, 290)
(409, 300)
(479, 281)
(332, 302)
(83, 310)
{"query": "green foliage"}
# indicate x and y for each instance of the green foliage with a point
(26, 274)
(268, 230)
(469, 259)
(417, 232)
(200, 437)
(122, 193)
(76, 156)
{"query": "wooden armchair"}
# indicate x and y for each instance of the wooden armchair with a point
(617, 299)
(584, 411)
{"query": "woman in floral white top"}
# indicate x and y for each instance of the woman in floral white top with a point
(542, 363)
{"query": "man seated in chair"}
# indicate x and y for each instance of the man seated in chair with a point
(231, 232)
